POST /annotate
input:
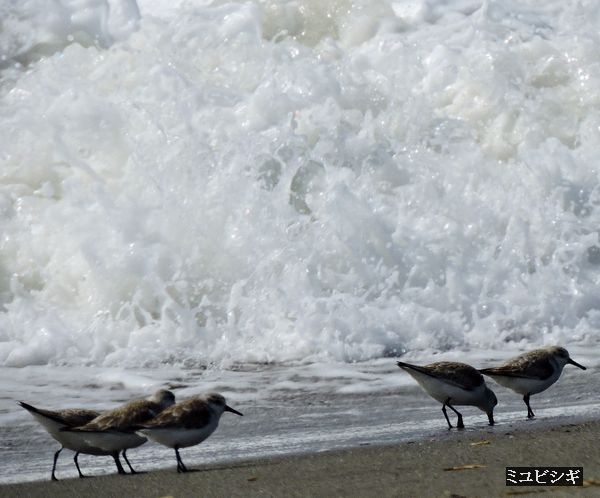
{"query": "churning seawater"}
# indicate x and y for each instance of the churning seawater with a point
(277, 181)
(191, 184)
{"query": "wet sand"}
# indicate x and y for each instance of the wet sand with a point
(408, 469)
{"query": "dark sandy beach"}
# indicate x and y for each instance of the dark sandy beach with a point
(468, 464)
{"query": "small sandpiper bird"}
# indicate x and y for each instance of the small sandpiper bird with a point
(532, 372)
(453, 384)
(55, 420)
(111, 431)
(187, 423)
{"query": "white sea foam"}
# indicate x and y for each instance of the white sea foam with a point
(32, 29)
(276, 181)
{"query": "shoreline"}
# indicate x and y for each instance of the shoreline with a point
(304, 411)
(430, 467)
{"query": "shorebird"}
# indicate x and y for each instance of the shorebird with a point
(55, 420)
(187, 423)
(452, 384)
(532, 372)
(111, 431)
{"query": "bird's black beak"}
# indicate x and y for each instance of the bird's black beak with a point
(491, 418)
(573, 362)
(229, 409)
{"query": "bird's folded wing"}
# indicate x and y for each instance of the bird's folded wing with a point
(458, 374)
(184, 415)
(538, 368)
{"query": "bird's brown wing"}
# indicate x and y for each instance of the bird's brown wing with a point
(458, 374)
(525, 366)
(70, 417)
(122, 418)
(74, 417)
(190, 414)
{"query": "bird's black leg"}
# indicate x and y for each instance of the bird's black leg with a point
(127, 461)
(446, 415)
(459, 424)
(77, 465)
(180, 466)
(530, 413)
(120, 469)
(54, 465)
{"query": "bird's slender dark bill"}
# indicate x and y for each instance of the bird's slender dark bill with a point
(229, 409)
(572, 362)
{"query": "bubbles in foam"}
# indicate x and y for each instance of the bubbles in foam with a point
(32, 29)
(276, 181)
(311, 21)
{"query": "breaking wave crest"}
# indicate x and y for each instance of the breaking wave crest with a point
(296, 180)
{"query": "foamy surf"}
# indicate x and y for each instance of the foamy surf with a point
(283, 181)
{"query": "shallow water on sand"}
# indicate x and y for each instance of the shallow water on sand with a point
(299, 409)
